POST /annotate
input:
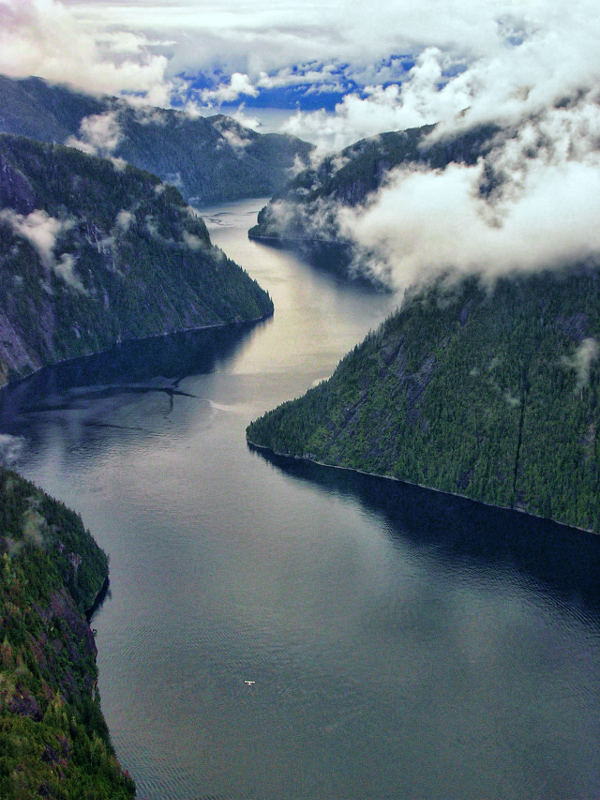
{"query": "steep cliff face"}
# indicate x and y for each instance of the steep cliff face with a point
(209, 159)
(53, 738)
(488, 394)
(92, 253)
(304, 214)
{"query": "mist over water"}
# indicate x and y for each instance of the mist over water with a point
(276, 630)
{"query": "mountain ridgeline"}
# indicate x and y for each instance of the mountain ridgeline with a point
(93, 253)
(488, 393)
(209, 159)
(303, 215)
(53, 739)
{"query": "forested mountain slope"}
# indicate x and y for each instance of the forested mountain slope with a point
(492, 394)
(209, 159)
(304, 214)
(53, 738)
(92, 253)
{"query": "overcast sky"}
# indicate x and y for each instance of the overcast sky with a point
(337, 68)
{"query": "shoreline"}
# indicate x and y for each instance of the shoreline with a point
(99, 599)
(165, 334)
(307, 460)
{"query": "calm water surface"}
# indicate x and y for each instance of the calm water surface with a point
(278, 631)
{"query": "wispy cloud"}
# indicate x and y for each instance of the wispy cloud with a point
(238, 85)
(11, 448)
(581, 361)
(531, 202)
(43, 233)
(99, 134)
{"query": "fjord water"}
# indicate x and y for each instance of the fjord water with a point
(278, 630)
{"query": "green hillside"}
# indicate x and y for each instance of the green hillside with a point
(53, 738)
(92, 254)
(489, 394)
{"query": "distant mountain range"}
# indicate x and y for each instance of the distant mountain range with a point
(209, 159)
(93, 252)
(303, 215)
(491, 394)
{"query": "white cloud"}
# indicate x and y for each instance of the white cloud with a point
(235, 141)
(43, 232)
(99, 134)
(239, 84)
(292, 76)
(64, 267)
(193, 242)
(45, 38)
(150, 115)
(124, 220)
(245, 119)
(39, 229)
(425, 222)
(582, 359)
(119, 164)
(234, 134)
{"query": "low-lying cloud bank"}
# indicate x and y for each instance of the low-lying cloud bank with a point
(533, 202)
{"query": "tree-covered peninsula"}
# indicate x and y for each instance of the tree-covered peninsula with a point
(94, 252)
(53, 738)
(488, 392)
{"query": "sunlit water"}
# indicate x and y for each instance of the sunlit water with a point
(281, 631)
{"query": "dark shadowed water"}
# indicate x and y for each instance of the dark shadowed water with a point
(281, 631)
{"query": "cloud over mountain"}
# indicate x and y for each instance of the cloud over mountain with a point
(481, 59)
(532, 68)
(533, 201)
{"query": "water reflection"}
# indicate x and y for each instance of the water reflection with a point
(84, 390)
(170, 357)
(560, 559)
